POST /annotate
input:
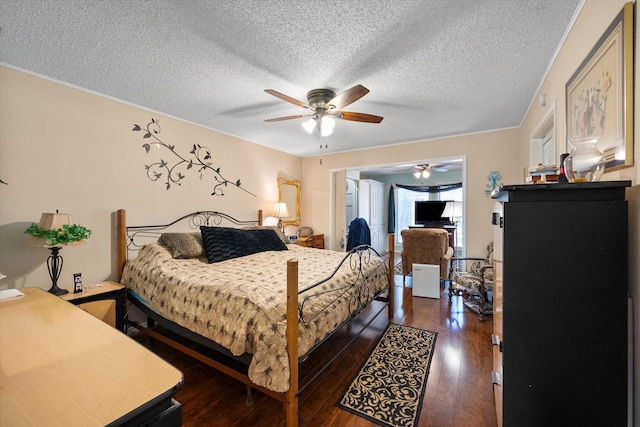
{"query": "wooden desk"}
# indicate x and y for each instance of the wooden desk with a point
(60, 366)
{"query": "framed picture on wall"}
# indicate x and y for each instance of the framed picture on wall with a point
(600, 93)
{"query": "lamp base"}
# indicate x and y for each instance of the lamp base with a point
(54, 264)
(57, 291)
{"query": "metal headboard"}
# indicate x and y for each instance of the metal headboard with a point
(193, 220)
(133, 238)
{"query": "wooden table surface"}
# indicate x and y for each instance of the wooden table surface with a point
(60, 366)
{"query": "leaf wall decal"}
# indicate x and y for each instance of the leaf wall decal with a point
(174, 169)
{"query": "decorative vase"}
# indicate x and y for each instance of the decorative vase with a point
(586, 162)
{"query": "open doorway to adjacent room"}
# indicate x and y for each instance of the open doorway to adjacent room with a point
(444, 181)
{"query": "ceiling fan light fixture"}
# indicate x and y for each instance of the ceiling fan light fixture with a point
(326, 125)
(309, 125)
(324, 130)
(328, 122)
(422, 172)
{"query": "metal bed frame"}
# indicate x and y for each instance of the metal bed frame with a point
(218, 357)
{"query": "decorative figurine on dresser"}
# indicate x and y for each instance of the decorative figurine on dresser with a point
(561, 305)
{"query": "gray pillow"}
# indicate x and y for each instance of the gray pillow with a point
(183, 245)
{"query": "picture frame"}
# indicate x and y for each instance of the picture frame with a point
(599, 95)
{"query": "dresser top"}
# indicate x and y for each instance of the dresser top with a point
(596, 191)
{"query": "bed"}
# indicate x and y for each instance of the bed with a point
(241, 298)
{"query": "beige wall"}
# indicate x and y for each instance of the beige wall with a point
(67, 149)
(484, 153)
(594, 18)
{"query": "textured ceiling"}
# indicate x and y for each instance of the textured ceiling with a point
(434, 68)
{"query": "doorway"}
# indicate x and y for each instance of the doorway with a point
(351, 200)
(443, 170)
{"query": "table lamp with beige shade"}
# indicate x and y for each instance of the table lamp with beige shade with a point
(54, 231)
(281, 211)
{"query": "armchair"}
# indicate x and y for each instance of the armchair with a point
(425, 246)
(475, 284)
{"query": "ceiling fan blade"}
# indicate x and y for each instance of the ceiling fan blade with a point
(439, 168)
(279, 119)
(358, 117)
(349, 96)
(287, 98)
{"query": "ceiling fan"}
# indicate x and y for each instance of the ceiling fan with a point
(324, 105)
(424, 171)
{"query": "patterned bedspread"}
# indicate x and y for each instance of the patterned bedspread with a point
(240, 303)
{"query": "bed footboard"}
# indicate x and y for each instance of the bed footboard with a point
(291, 396)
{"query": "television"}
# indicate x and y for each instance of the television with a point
(429, 211)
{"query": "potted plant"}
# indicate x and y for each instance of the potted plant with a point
(62, 236)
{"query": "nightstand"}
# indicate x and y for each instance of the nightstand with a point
(315, 241)
(108, 291)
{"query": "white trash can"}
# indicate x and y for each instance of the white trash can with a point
(426, 280)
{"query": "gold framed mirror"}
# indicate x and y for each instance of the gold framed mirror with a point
(289, 193)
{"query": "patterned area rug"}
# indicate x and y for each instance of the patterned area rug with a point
(389, 388)
(398, 269)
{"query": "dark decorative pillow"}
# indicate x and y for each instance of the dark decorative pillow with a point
(268, 239)
(183, 245)
(279, 232)
(222, 243)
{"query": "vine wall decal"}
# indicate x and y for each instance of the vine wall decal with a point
(172, 173)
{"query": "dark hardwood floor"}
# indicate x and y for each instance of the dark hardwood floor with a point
(459, 390)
